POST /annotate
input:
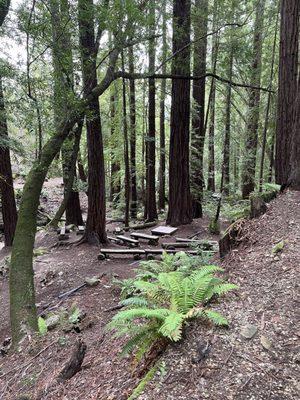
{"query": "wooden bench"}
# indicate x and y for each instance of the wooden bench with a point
(204, 244)
(164, 230)
(114, 239)
(81, 230)
(177, 245)
(136, 253)
(128, 240)
(63, 234)
(152, 239)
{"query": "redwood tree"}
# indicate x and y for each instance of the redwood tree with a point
(180, 207)
(287, 87)
(151, 211)
(198, 120)
(95, 224)
(248, 179)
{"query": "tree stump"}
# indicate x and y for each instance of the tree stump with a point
(257, 206)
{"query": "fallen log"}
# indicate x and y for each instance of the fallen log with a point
(74, 364)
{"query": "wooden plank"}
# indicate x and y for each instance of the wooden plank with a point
(105, 253)
(127, 239)
(151, 238)
(164, 230)
(63, 234)
(186, 240)
(176, 245)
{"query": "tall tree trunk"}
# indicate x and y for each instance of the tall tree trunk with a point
(7, 195)
(162, 136)
(294, 178)
(287, 86)
(95, 224)
(211, 184)
(126, 150)
(180, 210)
(226, 148)
(198, 120)
(133, 197)
(151, 212)
(115, 184)
(63, 93)
(248, 180)
(266, 124)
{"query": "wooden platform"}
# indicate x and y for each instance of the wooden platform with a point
(164, 230)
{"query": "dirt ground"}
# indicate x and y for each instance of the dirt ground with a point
(236, 368)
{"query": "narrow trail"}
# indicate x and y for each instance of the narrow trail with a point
(266, 366)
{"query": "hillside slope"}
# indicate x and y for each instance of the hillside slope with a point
(267, 365)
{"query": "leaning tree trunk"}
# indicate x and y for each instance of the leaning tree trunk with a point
(198, 120)
(63, 96)
(7, 194)
(162, 136)
(95, 225)
(151, 212)
(180, 210)
(287, 86)
(248, 181)
(133, 197)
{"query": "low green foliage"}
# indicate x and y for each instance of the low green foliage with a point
(214, 227)
(143, 382)
(278, 247)
(42, 326)
(167, 295)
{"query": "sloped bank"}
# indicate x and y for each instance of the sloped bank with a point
(258, 356)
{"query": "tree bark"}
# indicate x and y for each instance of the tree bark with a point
(8, 202)
(180, 207)
(226, 148)
(287, 86)
(133, 197)
(198, 120)
(151, 212)
(162, 136)
(115, 184)
(95, 225)
(294, 178)
(248, 180)
(126, 151)
(266, 124)
(211, 184)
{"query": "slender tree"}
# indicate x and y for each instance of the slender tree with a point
(248, 173)
(180, 210)
(162, 136)
(7, 195)
(151, 211)
(198, 120)
(133, 197)
(95, 224)
(115, 184)
(287, 87)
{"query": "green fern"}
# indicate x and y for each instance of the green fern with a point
(164, 304)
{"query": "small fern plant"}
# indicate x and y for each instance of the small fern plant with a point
(166, 304)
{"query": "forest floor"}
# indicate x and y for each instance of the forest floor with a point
(263, 367)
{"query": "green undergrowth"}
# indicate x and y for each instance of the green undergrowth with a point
(164, 297)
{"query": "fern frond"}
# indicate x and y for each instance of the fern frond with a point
(172, 326)
(135, 301)
(224, 288)
(143, 335)
(135, 313)
(215, 317)
(207, 270)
